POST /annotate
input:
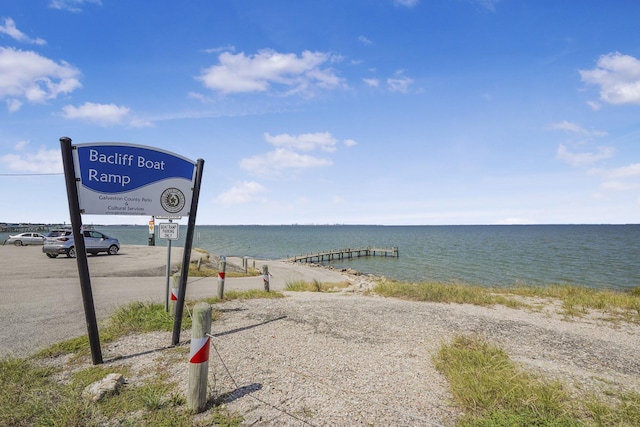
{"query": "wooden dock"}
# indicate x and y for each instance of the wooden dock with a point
(348, 253)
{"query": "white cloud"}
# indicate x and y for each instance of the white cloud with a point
(365, 41)
(14, 105)
(630, 171)
(350, 142)
(243, 192)
(621, 179)
(279, 159)
(619, 186)
(27, 75)
(488, 4)
(20, 145)
(72, 5)
(618, 77)
(583, 159)
(400, 83)
(42, 161)
(228, 48)
(9, 28)
(406, 3)
(260, 72)
(102, 114)
(372, 82)
(576, 128)
(569, 126)
(303, 142)
(595, 106)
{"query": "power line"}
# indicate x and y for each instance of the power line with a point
(30, 174)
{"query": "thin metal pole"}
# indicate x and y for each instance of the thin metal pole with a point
(81, 250)
(166, 294)
(186, 257)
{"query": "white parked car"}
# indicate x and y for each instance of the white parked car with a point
(24, 239)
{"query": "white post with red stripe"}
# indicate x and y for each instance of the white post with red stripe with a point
(173, 299)
(222, 267)
(199, 357)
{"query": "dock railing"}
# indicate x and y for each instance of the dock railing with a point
(346, 253)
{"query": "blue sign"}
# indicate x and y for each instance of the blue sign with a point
(127, 179)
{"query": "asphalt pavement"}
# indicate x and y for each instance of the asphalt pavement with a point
(41, 300)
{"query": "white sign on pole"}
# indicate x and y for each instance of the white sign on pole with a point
(168, 230)
(125, 179)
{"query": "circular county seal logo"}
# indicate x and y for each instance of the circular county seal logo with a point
(172, 200)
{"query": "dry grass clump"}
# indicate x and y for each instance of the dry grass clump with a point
(494, 392)
(315, 286)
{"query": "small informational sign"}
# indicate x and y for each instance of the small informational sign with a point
(126, 179)
(168, 230)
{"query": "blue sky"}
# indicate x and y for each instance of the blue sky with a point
(334, 111)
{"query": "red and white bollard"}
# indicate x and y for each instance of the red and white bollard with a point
(173, 297)
(222, 267)
(199, 357)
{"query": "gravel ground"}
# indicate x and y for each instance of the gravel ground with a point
(347, 359)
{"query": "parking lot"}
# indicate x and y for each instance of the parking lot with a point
(41, 300)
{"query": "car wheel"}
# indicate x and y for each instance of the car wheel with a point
(18, 243)
(71, 253)
(113, 250)
(52, 255)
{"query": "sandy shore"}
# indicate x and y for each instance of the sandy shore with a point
(351, 359)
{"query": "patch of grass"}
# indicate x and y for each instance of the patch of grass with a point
(493, 392)
(31, 396)
(490, 387)
(314, 286)
(142, 317)
(25, 392)
(444, 293)
(205, 267)
(137, 317)
(625, 413)
(211, 270)
(576, 301)
(251, 294)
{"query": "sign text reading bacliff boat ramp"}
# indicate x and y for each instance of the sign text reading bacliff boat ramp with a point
(127, 179)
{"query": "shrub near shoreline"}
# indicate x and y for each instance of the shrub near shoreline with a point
(574, 301)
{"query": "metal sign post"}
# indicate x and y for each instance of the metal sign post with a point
(186, 257)
(81, 250)
(168, 230)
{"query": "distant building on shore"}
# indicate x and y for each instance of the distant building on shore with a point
(6, 227)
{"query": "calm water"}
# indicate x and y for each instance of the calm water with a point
(587, 255)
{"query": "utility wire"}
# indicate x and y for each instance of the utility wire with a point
(30, 174)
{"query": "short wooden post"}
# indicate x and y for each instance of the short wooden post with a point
(222, 267)
(265, 277)
(174, 294)
(199, 357)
